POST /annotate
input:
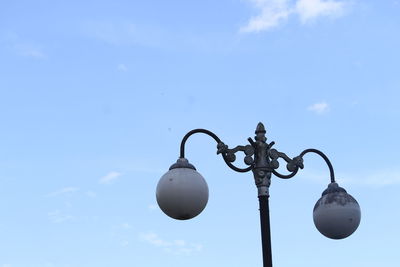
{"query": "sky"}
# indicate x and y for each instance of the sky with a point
(95, 97)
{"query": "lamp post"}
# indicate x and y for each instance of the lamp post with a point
(182, 192)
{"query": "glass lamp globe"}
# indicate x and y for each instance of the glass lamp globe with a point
(182, 193)
(336, 214)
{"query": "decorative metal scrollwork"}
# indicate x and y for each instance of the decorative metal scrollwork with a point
(230, 156)
(259, 155)
(292, 165)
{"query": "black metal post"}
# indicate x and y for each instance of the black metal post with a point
(265, 231)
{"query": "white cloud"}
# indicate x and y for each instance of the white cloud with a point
(63, 191)
(6, 265)
(110, 177)
(176, 246)
(319, 108)
(59, 217)
(272, 13)
(122, 67)
(309, 10)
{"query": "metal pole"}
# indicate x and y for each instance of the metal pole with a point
(265, 231)
(262, 178)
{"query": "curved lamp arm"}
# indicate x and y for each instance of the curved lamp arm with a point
(297, 162)
(222, 149)
(328, 162)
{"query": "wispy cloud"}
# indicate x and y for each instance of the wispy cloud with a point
(124, 243)
(110, 32)
(91, 194)
(122, 67)
(21, 46)
(29, 50)
(63, 191)
(121, 233)
(59, 217)
(126, 226)
(308, 10)
(377, 178)
(124, 32)
(176, 246)
(319, 108)
(272, 13)
(110, 177)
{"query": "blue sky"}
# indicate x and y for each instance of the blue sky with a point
(95, 97)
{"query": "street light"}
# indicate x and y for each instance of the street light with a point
(182, 193)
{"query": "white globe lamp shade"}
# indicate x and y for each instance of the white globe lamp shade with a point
(182, 193)
(336, 214)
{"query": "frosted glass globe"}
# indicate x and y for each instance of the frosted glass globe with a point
(182, 193)
(336, 214)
